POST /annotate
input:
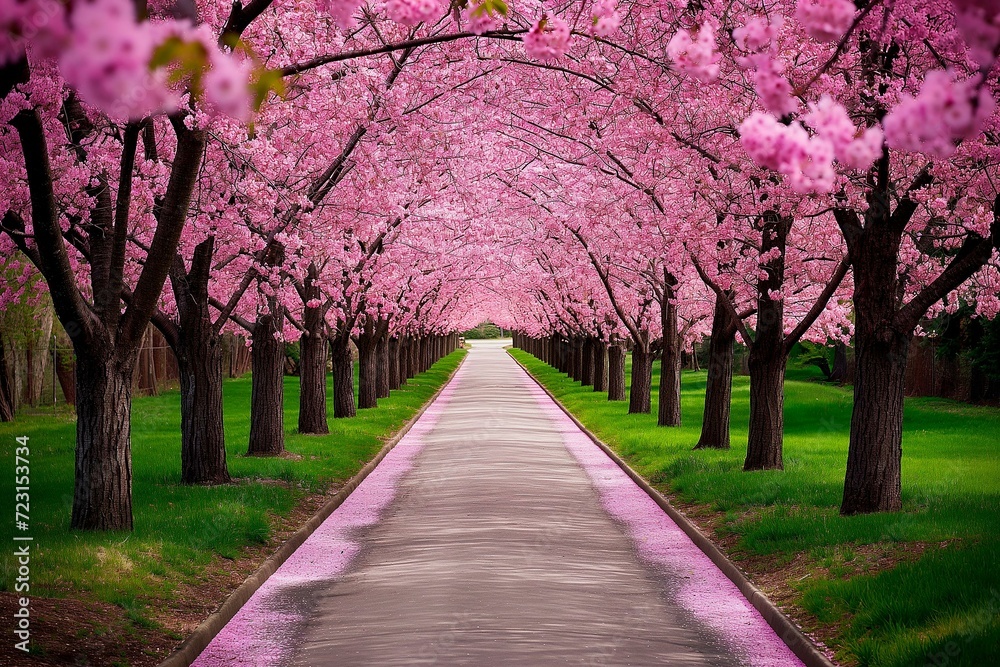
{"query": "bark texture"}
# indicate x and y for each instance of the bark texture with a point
(616, 373)
(102, 495)
(367, 371)
(600, 366)
(342, 361)
(874, 460)
(6, 395)
(312, 378)
(768, 356)
(669, 408)
(203, 440)
(587, 362)
(639, 398)
(197, 346)
(395, 377)
(267, 413)
(719, 383)
(382, 382)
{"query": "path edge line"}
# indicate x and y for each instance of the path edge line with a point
(189, 650)
(804, 648)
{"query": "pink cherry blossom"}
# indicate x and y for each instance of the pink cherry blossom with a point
(773, 89)
(341, 11)
(107, 60)
(862, 152)
(979, 25)
(226, 86)
(945, 111)
(548, 39)
(805, 161)
(479, 19)
(759, 33)
(42, 23)
(606, 19)
(830, 120)
(825, 20)
(412, 12)
(696, 55)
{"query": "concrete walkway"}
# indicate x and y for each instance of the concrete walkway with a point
(495, 533)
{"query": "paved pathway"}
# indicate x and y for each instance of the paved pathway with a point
(496, 533)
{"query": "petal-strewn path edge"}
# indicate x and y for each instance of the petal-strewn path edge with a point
(709, 594)
(261, 633)
(273, 628)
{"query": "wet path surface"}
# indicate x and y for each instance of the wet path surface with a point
(495, 533)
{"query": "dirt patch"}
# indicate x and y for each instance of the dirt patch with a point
(82, 634)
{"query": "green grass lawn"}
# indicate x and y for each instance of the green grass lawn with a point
(917, 588)
(179, 529)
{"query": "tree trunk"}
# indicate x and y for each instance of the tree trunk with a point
(102, 494)
(66, 374)
(395, 377)
(367, 371)
(414, 358)
(839, 373)
(404, 359)
(767, 354)
(616, 373)
(642, 380)
(6, 395)
(600, 366)
(343, 377)
(203, 440)
(719, 383)
(587, 362)
(767, 397)
(382, 382)
(874, 458)
(267, 405)
(312, 378)
(669, 409)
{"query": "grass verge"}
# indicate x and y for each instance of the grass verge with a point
(192, 544)
(913, 589)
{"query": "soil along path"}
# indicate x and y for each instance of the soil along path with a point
(497, 533)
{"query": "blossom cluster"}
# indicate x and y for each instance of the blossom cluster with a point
(945, 111)
(412, 12)
(42, 23)
(852, 149)
(606, 20)
(341, 11)
(480, 18)
(107, 54)
(548, 39)
(825, 20)
(107, 60)
(771, 86)
(980, 28)
(758, 34)
(696, 54)
(805, 160)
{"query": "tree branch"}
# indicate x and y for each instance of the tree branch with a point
(820, 305)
